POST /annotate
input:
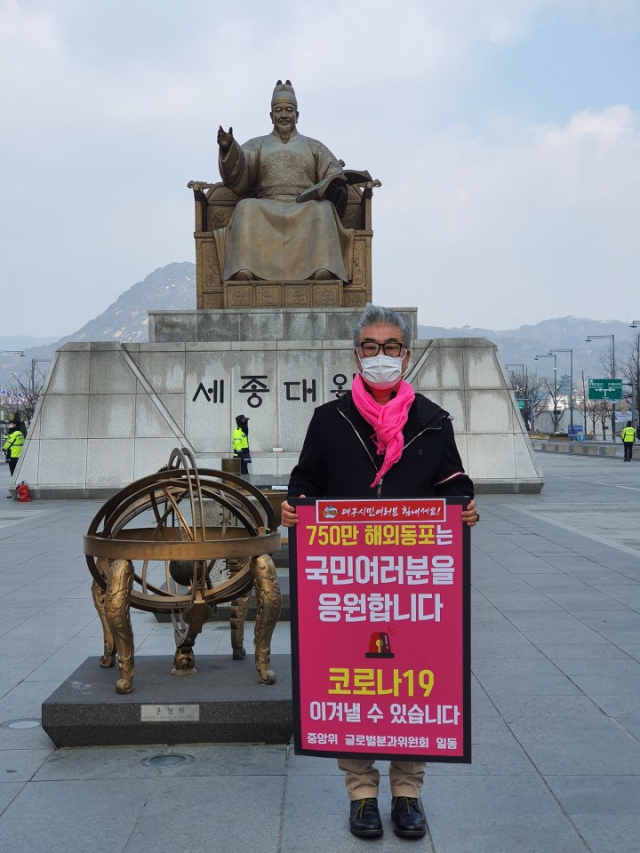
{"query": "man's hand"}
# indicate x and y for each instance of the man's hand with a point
(289, 515)
(225, 139)
(470, 515)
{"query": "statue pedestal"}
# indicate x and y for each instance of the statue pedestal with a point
(289, 294)
(117, 410)
(223, 703)
(298, 324)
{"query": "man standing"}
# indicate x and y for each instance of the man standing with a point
(13, 445)
(381, 440)
(241, 443)
(628, 436)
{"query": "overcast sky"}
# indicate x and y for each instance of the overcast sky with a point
(506, 135)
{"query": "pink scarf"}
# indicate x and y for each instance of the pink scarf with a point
(387, 421)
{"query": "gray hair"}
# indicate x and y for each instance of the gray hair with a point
(376, 315)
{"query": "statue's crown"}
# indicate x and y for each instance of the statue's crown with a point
(284, 92)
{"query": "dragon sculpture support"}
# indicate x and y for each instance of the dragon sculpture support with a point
(268, 603)
(113, 605)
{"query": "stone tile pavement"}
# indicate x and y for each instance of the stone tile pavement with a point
(556, 699)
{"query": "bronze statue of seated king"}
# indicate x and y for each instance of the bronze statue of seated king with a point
(287, 226)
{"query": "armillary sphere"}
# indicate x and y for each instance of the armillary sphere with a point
(182, 541)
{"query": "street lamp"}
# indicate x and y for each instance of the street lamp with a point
(35, 361)
(555, 386)
(570, 351)
(28, 385)
(590, 338)
(632, 385)
(633, 325)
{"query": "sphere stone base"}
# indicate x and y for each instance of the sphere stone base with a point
(225, 697)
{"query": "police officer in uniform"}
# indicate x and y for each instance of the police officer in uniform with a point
(241, 443)
(628, 436)
(13, 445)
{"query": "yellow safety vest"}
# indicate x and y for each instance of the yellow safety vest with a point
(14, 443)
(628, 434)
(240, 441)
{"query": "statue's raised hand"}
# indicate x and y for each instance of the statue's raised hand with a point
(225, 139)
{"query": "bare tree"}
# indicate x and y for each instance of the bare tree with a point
(602, 411)
(529, 388)
(606, 362)
(582, 402)
(553, 394)
(609, 368)
(24, 397)
(591, 410)
(27, 389)
(630, 366)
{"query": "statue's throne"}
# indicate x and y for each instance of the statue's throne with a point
(214, 206)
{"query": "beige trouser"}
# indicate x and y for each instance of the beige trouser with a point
(362, 777)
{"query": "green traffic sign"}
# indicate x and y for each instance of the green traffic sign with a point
(605, 389)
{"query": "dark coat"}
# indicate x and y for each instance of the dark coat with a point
(339, 458)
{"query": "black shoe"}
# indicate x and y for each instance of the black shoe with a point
(408, 817)
(364, 818)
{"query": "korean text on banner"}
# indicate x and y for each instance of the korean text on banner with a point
(380, 628)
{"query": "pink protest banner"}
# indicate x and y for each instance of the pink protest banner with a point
(380, 623)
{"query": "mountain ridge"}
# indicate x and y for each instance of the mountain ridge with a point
(173, 287)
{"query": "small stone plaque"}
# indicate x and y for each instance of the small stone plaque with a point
(169, 713)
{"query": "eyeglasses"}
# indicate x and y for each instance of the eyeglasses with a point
(392, 348)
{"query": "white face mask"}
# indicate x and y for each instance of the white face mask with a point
(381, 371)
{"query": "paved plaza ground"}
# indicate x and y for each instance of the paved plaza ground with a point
(556, 699)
